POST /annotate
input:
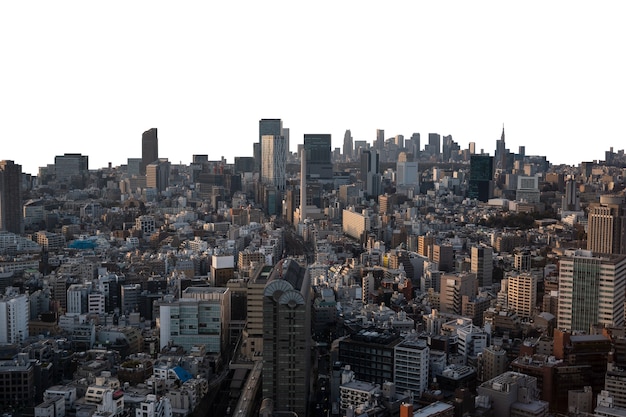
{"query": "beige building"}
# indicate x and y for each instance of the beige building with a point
(522, 294)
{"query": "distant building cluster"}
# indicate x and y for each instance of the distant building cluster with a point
(382, 278)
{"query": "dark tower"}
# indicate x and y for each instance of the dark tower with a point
(319, 165)
(149, 149)
(11, 197)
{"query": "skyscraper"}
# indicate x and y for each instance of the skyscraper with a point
(286, 335)
(591, 291)
(379, 143)
(274, 161)
(11, 197)
(318, 165)
(158, 174)
(482, 265)
(434, 145)
(272, 127)
(348, 145)
(370, 172)
(607, 226)
(481, 177)
(149, 149)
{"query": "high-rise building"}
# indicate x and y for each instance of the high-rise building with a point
(433, 148)
(494, 362)
(370, 173)
(149, 149)
(406, 171)
(481, 177)
(158, 174)
(274, 161)
(200, 316)
(379, 143)
(571, 200)
(411, 358)
(415, 145)
(452, 289)
(14, 317)
(11, 197)
(286, 335)
(482, 265)
(71, 169)
(522, 294)
(591, 291)
(318, 165)
(272, 127)
(348, 145)
(606, 230)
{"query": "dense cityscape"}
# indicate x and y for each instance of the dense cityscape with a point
(389, 277)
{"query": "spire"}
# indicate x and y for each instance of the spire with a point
(502, 137)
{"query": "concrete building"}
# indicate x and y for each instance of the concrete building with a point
(200, 316)
(591, 291)
(514, 394)
(355, 224)
(606, 230)
(14, 317)
(522, 294)
(493, 362)
(411, 359)
(286, 337)
(452, 289)
(11, 197)
(482, 265)
(149, 149)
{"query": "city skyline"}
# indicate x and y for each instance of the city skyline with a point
(202, 75)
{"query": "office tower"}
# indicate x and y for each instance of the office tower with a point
(158, 174)
(481, 177)
(318, 165)
(406, 171)
(591, 291)
(14, 317)
(416, 145)
(272, 127)
(274, 161)
(571, 200)
(133, 167)
(200, 317)
(348, 146)
(411, 358)
(149, 148)
(472, 148)
(379, 143)
(447, 148)
(71, 169)
(606, 230)
(303, 178)
(452, 289)
(11, 197)
(370, 173)
(522, 294)
(444, 256)
(501, 151)
(433, 148)
(482, 265)
(286, 335)
(399, 140)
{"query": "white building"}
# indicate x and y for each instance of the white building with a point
(411, 359)
(14, 316)
(154, 406)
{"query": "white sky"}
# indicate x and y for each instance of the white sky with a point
(89, 77)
